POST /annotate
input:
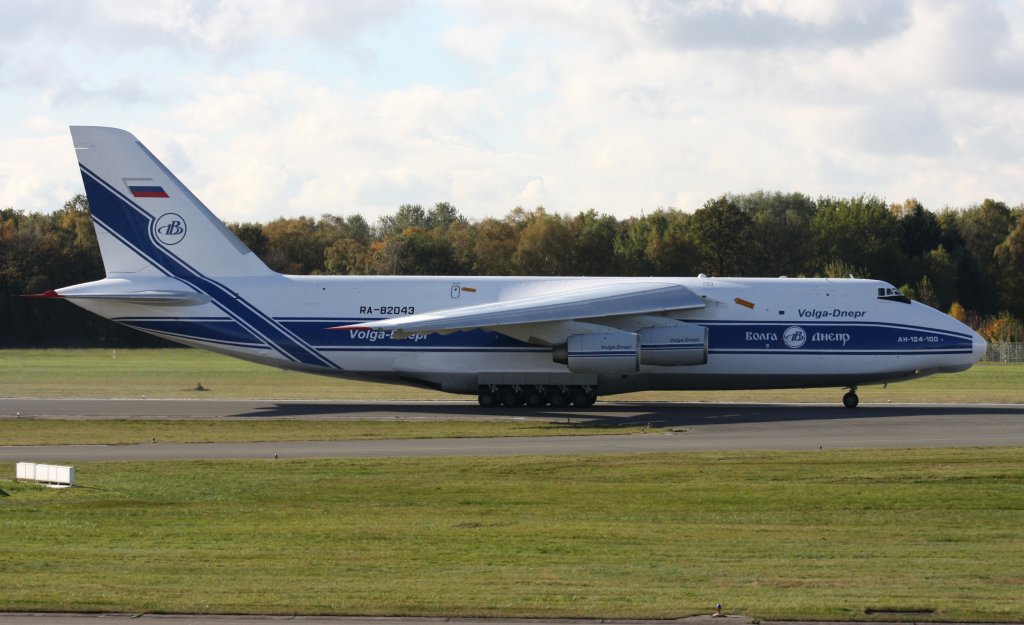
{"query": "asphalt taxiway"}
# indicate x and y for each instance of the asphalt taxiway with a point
(670, 427)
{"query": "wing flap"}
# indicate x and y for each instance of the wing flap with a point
(585, 304)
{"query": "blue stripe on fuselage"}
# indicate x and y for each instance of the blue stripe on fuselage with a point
(212, 329)
(828, 337)
(865, 338)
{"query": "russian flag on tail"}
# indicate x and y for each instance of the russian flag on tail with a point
(144, 187)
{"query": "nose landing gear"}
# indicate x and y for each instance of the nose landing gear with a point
(850, 399)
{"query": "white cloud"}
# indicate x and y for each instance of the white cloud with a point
(37, 167)
(618, 106)
(480, 45)
(215, 24)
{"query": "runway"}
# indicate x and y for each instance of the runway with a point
(671, 427)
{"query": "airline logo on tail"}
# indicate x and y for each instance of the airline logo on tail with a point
(169, 228)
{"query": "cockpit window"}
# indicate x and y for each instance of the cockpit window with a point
(892, 295)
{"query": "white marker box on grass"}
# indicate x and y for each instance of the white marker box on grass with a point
(48, 474)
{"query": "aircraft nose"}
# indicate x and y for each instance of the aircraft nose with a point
(979, 346)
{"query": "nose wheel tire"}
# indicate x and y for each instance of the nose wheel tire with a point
(850, 400)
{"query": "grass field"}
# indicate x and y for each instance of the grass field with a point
(133, 431)
(915, 534)
(845, 535)
(174, 373)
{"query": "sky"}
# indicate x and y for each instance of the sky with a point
(271, 108)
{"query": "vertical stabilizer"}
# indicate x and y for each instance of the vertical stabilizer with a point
(146, 220)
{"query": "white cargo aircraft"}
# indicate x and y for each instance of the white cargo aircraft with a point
(175, 271)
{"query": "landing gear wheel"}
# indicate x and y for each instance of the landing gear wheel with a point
(850, 400)
(558, 399)
(511, 398)
(487, 399)
(582, 399)
(534, 398)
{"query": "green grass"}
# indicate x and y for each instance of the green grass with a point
(174, 373)
(133, 431)
(796, 535)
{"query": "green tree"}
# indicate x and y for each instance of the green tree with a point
(346, 256)
(975, 291)
(594, 237)
(922, 291)
(494, 243)
(1009, 259)
(670, 249)
(545, 246)
(407, 216)
(858, 232)
(919, 230)
(722, 232)
(984, 226)
(251, 234)
(444, 216)
(839, 268)
(940, 270)
(416, 252)
(295, 245)
(781, 240)
(631, 245)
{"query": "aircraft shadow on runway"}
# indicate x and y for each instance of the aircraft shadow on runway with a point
(619, 415)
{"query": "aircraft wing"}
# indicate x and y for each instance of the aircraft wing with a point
(590, 303)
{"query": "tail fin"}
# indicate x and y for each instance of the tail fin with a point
(146, 221)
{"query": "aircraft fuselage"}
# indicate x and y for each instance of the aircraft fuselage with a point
(762, 333)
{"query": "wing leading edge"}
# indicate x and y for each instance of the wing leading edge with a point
(589, 304)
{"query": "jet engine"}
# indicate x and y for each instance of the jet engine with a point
(621, 351)
(674, 346)
(614, 351)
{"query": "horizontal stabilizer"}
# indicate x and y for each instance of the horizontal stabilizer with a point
(590, 303)
(151, 291)
(180, 298)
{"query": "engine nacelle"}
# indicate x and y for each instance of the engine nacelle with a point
(674, 346)
(613, 351)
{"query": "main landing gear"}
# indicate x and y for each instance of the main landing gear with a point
(537, 396)
(850, 399)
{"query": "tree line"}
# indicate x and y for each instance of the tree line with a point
(968, 261)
